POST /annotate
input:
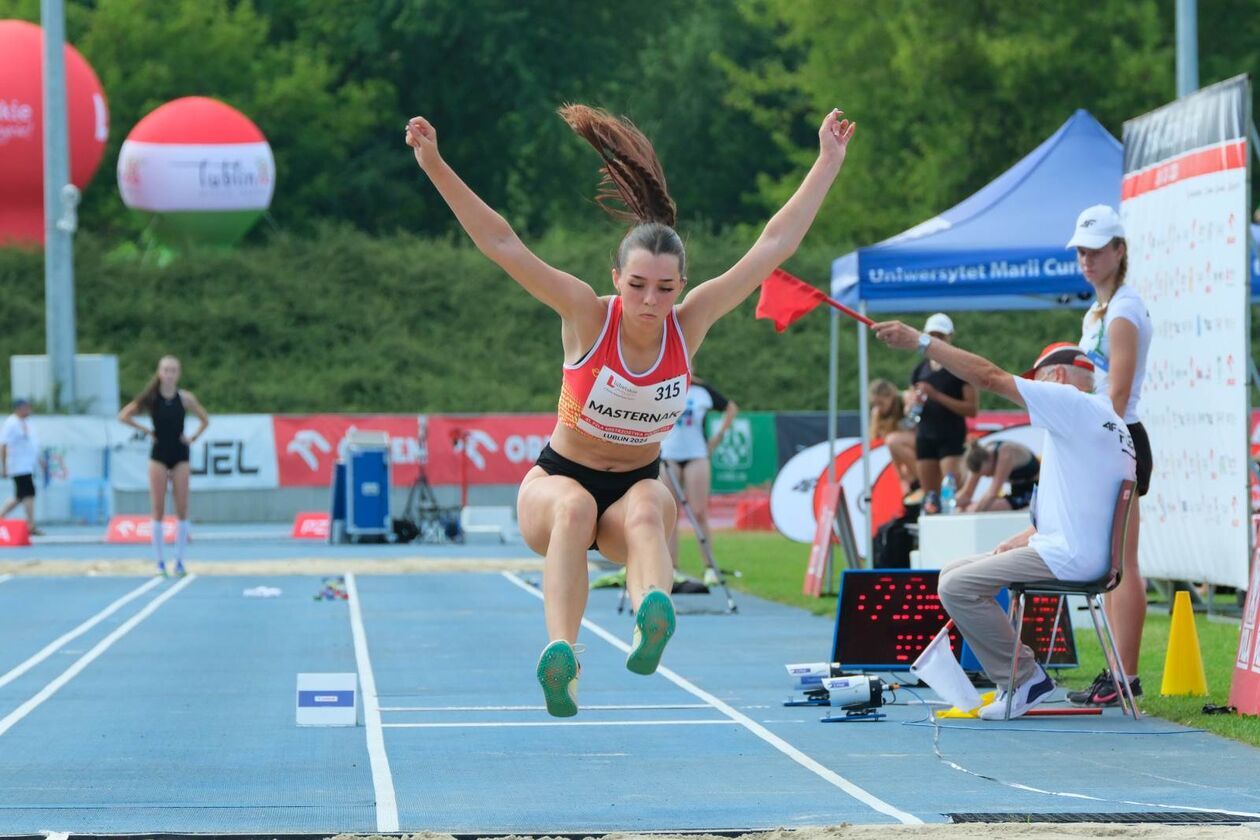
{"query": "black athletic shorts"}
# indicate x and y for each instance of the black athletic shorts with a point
(604, 486)
(24, 486)
(1020, 496)
(932, 448)
(1145, 461)
(170, 455)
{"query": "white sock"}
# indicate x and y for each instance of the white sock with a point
(158, 538)
(181, 540)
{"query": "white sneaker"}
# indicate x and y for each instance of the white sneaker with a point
(710, 578)
(1029, 694)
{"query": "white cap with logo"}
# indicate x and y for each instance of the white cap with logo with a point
(939, 323)
(1095, 227)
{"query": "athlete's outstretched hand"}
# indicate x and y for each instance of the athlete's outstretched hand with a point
(422, 138)
(834, 137)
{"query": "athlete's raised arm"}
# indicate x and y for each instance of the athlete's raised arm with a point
(711, 300)
(573, 299)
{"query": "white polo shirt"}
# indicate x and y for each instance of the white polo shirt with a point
(1088, 452)
(21, 445)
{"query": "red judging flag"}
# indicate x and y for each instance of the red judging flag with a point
(785, 299)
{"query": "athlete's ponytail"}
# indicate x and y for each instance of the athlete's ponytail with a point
(632, 187)
(147, 397)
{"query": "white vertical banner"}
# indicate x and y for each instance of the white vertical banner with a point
(237, 452)
(1186, 216)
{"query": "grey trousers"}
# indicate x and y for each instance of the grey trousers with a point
(967, 589)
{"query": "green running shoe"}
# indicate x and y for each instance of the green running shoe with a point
(558, 672)
(653, 625)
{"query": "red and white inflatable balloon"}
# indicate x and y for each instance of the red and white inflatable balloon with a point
(22, 128)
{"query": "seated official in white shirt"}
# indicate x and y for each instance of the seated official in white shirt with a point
(1088, 454)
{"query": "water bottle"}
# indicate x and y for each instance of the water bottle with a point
(947, 494)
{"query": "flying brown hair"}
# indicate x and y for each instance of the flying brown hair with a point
(633, 185)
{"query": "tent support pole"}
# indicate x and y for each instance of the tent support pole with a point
(833, 384)
(864, 416)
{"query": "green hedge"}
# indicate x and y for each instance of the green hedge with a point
(348, 322)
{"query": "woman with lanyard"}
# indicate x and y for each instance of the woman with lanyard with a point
(686, 452)
(627, 367)
(1116, 333)
(167, 406)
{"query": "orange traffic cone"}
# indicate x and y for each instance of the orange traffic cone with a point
(1183, 664)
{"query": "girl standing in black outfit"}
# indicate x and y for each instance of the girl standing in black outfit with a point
(945, 402)
(167, 407)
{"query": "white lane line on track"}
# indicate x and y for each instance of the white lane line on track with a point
(825, 773)
(86, 659)
(626, 708)
(382, 778)
(527, 723)
(56, 644)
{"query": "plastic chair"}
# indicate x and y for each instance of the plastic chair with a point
(1093, 592)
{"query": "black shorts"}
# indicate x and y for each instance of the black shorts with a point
(929, 447)
(1020, 496)
(604, 486)
(1145, 461)
(170, 455)
(24, 486)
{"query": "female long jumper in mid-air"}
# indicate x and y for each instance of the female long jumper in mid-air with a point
(625, 377)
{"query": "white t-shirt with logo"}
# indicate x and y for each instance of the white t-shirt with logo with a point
(1127, 304)
(1088, 452)
(21, 445)
(686, 441)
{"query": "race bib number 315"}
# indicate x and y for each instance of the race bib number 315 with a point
(620, 411)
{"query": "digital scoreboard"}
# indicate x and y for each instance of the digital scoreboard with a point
(886, 617)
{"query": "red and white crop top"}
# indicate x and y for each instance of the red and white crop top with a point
(600, 395)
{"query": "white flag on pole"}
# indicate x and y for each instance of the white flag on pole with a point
(938, 667)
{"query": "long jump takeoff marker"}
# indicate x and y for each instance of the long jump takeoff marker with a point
(825, 773)
(86, 659)
(382, 778)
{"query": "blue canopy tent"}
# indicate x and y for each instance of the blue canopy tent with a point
(1000, 249)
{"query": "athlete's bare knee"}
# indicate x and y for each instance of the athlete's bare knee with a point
(648, 512)
(573, 511)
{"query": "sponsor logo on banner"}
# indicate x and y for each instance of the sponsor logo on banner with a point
(491, 449)
(308, 446)
(735, 452)
(311, 526)
(138, 529)
(221, 458)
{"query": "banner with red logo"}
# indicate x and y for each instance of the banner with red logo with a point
(311, 526)
(307, 446)
(14, 533)
(485, 449)
(138, 529)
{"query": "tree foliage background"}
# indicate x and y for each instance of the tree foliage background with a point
(947, 95)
